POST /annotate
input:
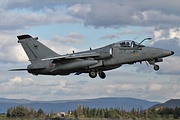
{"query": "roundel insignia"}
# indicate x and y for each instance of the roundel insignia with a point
(52, 65)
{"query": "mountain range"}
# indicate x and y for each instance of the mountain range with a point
(170, 104)
(65, 105)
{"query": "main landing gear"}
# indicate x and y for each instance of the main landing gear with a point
(93, 74)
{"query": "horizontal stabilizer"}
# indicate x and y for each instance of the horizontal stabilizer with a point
(17, 69)
(20, 37)
(27, 69)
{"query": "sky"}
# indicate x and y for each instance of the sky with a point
(77, 25)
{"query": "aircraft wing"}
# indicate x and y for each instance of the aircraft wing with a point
(74, 56)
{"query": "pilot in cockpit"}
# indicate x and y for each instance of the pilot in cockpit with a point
(125, 44)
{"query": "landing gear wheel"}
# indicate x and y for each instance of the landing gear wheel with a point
(156, 67)
(92, 74)
(102, 75)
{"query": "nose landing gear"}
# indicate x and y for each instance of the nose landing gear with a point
(153, 61)
(156, 67)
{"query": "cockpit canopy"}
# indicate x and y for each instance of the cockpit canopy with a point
(128, 43)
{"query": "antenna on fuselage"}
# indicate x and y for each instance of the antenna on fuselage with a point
(144, 40)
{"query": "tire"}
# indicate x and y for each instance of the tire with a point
(102, 75)
(156, 67)
(92, 74)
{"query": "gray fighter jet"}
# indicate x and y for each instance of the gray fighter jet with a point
(45, 61)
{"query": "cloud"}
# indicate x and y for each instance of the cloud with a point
(110, 36)
(37, 5)
(79, 10)
(153, 87)
(64, 44)
(37, 88)
(15, 20)
(166, 34)
(12, 52)
(71, 38)
(19, 81)
(154, 17)
(112, 89)
(124, 13)
(22, 87)
(126, 31)
(16, 85)
(101, 13)
(108, 14)
(170, 66)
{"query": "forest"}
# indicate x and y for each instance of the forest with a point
(84, 112)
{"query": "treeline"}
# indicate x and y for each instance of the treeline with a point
(21, 111)
(169, 111)
(86, 112)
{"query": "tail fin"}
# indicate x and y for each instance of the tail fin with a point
(34, 49)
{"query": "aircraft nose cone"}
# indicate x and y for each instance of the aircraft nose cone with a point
(167, 53)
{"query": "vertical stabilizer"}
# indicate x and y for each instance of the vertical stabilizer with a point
(34, 49)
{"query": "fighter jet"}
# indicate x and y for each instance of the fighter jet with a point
(45, 61)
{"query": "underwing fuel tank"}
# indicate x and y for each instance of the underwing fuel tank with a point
(77, 64)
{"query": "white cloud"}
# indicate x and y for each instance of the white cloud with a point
(58, 44)
(174, 33)
(16, 80)
(165, 34)
(158, 17)
(112, 89)
(31, 88)
(71, 38)
(79, 10)
(170, 65)
(154, 87)
(110, 36)
(107, 14)
(12, 52)
(101, 13)
(19, 20)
